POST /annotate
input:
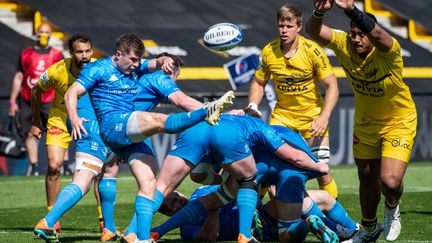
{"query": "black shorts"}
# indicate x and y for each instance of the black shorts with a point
(25, 115)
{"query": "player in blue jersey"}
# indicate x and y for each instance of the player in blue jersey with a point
(153, 88)
(112, 83)
(230, 145)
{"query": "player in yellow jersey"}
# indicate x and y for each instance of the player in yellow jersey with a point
(296, 66)
(385, 117)
(60, 76)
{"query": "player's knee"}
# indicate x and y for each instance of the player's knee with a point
(322, 153)
(53, 170)
(392, 182)
(198, 177)
(248, 183)
(224, 194)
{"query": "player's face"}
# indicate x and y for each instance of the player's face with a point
(288, 30)
(173, 202)
(81, 53)
(360, 41)
(127, 62)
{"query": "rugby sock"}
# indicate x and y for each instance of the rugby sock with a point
(314, 210)
(338, 215)
(391, 206)
(331, 188)
(297, 229)
(66, 199)
(99, 210)
(246, 202)
(157, 201)
(144, 214)
(107, 192)
(369, 224)
(192, 211)
(179, 122)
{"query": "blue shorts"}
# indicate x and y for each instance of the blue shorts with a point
(289, 180)
(90, 143)
(223, 144)
(114, 130)
(144, 147)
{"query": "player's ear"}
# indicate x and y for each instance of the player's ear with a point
(117, 55)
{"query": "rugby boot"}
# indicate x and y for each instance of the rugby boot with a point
(43, 231)
(320, 230)
(215, 108)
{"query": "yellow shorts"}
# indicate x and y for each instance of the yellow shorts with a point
(57, 133)
(301, 126)
(393, 141)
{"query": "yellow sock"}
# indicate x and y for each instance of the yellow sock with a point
(331, 188)
(99, 209)
(391, 206)
(49, 208)
(369, 224)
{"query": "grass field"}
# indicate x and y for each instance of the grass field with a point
(22, 204)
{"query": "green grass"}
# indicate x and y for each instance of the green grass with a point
(22, 204)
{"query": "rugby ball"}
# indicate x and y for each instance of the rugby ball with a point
(222, 37)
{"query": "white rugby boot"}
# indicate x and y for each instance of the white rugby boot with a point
(215, 108)
(392, 223)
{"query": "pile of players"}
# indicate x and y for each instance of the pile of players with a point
(108, 104)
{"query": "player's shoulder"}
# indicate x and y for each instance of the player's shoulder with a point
(308, 43)
(275, 43)
(61, 66)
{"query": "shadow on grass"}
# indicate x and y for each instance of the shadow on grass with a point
(79, 238)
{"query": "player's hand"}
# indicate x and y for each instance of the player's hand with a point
(77, 127)
(346, 5)
(13, 110)
(36, 131)
(323, 5)
(168, 65)
(322, 167)
(252, 110)
(319, 126)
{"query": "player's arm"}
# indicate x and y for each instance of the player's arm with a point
(319, 125)
(209, 231)
(315, 27)
(16, 88)
(71, 100)
(184, 101)
(300, 159)
(377, 35)
(163, 63)
(256, 93)
(36, 103)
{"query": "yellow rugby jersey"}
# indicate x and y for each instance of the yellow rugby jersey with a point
(59, 77)
(380, 94)
(295, 79)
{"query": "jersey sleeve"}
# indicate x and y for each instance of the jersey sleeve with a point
(271, 139)
(89, 75)
(338, 42)
(144, 67)
(48, 78)
(321, 63)
(262, 71)
(165, 86)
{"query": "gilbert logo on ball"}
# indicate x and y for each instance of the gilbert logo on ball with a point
(222, 37)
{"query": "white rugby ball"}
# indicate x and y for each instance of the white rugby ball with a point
(223, 36)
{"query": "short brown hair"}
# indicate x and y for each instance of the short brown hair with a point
(178, 62)
(130, 42)
(290, 12)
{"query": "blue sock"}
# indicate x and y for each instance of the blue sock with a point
(338, 215)
(192, 211)
(297, 229)
(66, 199)
(314, 209)
(144, 213)
(246, 202)
(179, 122)
(157, 201)
(107, 193)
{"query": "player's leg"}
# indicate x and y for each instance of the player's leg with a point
(244, 172)
(98, 203)
(31, 143)
(52, 179)
(87, 168)
(320, 148)
(107, 188)
(143, 168)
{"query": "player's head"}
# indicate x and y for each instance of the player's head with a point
(43, 34)
(80, 49)
(173, 203)
(289, 19)
(177, 62)
(129, 51)
(359, 40)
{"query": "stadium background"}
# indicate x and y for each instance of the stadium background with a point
(177, 26)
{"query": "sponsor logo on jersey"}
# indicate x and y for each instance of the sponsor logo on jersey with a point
(113, 78)
(398, 142)
(44, 77)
